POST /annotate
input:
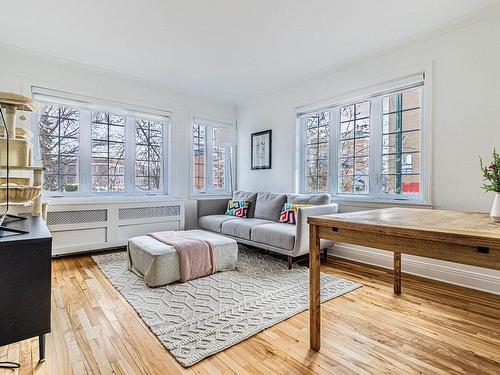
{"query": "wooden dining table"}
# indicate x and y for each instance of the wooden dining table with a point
(462, 237)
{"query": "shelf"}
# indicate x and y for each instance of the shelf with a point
(29, 168)
(19, 102)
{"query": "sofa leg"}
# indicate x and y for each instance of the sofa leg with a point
(290, 261)
(325, 254)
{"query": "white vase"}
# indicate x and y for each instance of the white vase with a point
(495, 210)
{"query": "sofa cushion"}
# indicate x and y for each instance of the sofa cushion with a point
(237, 208)
(250, 197)
(268, 206)
(288, 213)
(275, 234)
(242, 228)
(214, 222)
(314, 199)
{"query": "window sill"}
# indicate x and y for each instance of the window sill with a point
(379, 203)
(109, 199)
(210, 196)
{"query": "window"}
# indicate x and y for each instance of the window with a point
(317, 143)
(89, 151)
(401, 142)
(366, 149)
(210, 163)
(354, 147)
(218, 166)
(199, 157)
(59, 129)
(148, 155)
(108, 152)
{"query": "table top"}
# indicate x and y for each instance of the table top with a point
(34, 224)
(468, 228)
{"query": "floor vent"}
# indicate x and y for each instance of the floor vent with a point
(148, 212)
(76, 217)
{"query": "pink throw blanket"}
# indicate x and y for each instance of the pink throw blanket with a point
(196, 257)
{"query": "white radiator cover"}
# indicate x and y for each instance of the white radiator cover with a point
(87, 224)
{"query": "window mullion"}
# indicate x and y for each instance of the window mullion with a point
(301, 154)
(130, 155)
(209, 161)
(85, 164)
(375, 172)
(333, 149)
(164, 178)
(227, 170)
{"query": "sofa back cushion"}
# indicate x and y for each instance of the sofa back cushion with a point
(269, 205)
(314, 199)
(248, 196)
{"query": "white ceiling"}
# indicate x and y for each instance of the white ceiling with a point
(228, 49)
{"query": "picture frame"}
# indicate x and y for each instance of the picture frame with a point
(261, 150)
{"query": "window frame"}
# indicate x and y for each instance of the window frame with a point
(108, 142)
(85, 148)
(165, 135)
(336, 123)
(210, 126)
(375, 153)
(317, 145)
(36, 119)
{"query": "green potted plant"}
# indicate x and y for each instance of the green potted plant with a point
(491, 174)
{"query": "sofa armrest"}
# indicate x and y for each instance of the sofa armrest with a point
(302, 230)
(206, 207)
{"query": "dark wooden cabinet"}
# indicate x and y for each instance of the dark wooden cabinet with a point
(25, 279)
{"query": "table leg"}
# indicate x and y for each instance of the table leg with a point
(41, 348)
(397, 272)
(314, 289)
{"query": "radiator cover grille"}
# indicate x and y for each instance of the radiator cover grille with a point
(76, 217)
(148, 212)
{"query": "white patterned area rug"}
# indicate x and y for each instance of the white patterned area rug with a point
(196, 319)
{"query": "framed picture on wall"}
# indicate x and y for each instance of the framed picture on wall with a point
(261, 146)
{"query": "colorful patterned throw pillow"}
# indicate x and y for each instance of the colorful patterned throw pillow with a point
(289, 212)
(237, 208)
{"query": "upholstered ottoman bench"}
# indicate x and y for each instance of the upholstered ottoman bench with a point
(158, 263)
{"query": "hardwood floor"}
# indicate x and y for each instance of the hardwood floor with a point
(432, 328)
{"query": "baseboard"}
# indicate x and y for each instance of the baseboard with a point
(466, 276)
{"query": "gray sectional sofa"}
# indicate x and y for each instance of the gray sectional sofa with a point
(262, 228)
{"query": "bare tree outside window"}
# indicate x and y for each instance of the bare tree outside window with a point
(353, 148)
(148, 155)
(59, 136)
(199, 156)
(316, 153)
(218, 165)
(108, 152)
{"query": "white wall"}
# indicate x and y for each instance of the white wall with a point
(19, 70)
(465, 122)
